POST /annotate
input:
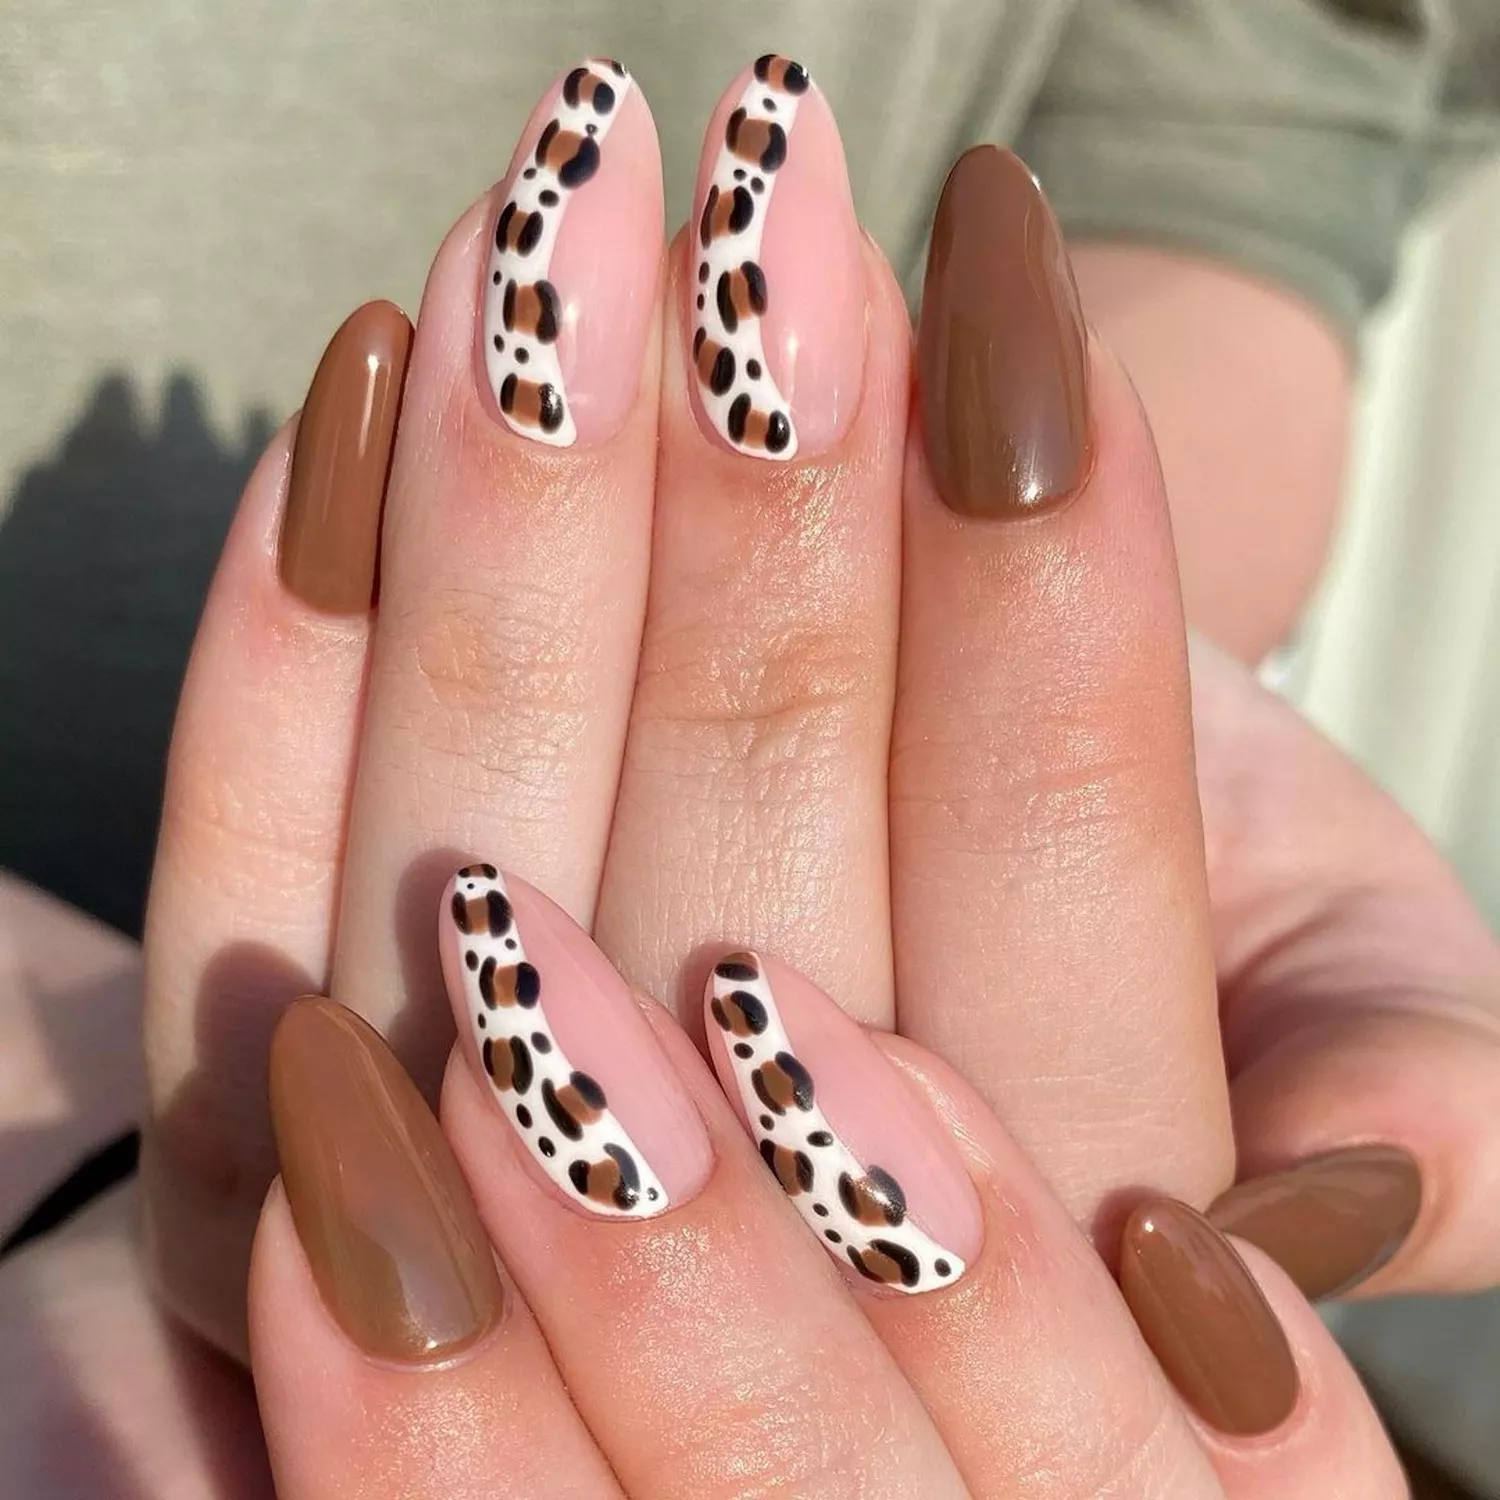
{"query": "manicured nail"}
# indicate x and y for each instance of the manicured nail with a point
(1206, 1320)
(777, 314)
(566, 1052)
(1002, 356)
(861, 1156)
(1331, 1222)
(570, 287)
(330, 532)
(382, 1210)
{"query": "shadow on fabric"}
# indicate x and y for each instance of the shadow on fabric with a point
(106, 551)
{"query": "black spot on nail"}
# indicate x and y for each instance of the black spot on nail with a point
(522, 356)
(541, 1041)
(545, 1146)
(832, 1235)
(581, 166)
(734, 969)
(548, 198)
(702, 273)
(767, 1123)
(471, 958)
(752, 368)
(820, 1210)
(820, 1138)
(778, 432)
(721, 377)
(739, 413)
(528, 985)
(942, 1267)
(523, 1117)
(743, 1049)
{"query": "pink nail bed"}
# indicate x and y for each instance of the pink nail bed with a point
(864, 1160)
(566, 1053)
(776, 289)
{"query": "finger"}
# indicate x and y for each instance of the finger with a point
(515, 550)
(388, 1357)
(1050, 917)
(752, 800)
(257, 792)
(1361, 1012)
(746, 1363)
(1014, 1335)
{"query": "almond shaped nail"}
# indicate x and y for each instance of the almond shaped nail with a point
(565, 1051)
(1331, 1222)
(330, 532)
(570, 284)
(1002, 354)
(381, 1208)
(1206, 1320)
(776, 323)
(862, 1158)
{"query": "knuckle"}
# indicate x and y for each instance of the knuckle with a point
(502, 684)
(759, 699)
(1047, 790)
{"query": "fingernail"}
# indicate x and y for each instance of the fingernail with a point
(566, 1052)
(381, 1208)
(1206, 1320)
(1331, 1222)
(330, 532)
(862, 1157)
(1002, 356)
(777, 313)
(570, 286)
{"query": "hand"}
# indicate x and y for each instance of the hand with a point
(728, 780)
(970, 1343)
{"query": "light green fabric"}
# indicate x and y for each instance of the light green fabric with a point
(193, 193)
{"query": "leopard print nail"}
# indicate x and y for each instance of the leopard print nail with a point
(735, 385)
(522, 308)
(857, 1209)
(561, 1113)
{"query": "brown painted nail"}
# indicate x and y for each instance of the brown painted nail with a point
(1002, 355)
(1331, 1222)
(331, 530)
(1206, 1320)
(381, 1208)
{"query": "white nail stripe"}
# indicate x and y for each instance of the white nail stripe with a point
(541, 365)
(829, 1162)
(524, 1022)
(726, 253)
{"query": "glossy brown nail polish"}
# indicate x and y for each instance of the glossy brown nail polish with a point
(1331, 1222)
(330, 533)
(1206, 1320)
(1002, 354)
(381, 1208)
